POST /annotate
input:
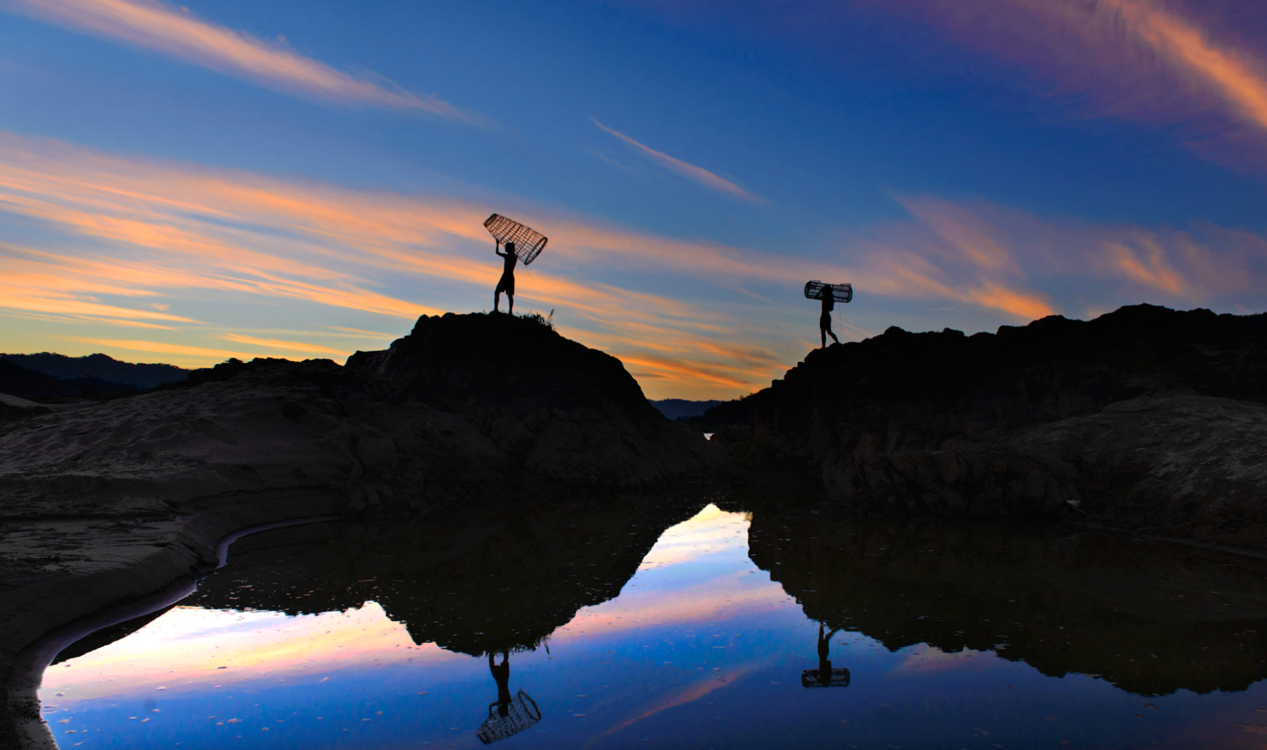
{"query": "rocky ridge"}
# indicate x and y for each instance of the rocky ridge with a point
(1145, 417)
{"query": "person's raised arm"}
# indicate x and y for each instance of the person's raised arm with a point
(497, 248)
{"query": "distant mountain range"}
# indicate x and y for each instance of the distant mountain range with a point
(54, 376)
(48, 375)
(99, 366)
(676, 408)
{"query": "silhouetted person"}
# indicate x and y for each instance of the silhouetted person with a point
(824, 320)
(507, 283)
(824, 664)
(501, 673)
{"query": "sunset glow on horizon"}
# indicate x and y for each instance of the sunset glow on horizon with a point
(189, 183)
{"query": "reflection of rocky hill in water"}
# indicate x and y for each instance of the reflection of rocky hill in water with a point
(1144, 616)
(476, 583)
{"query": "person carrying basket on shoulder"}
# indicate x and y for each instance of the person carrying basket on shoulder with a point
(507, 282)
(824, 320)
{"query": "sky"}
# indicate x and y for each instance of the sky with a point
(188, 183)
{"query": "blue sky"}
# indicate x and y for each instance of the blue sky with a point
(187, 183)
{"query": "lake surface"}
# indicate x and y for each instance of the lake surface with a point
(633, 624)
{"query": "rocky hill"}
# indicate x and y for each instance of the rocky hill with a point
(1145, 417)
(550, 406)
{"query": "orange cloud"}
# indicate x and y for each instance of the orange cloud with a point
(1234, 73)
(297, 346)
(690, 171)
(644, 366)
(178, 33)
(1148, 265)
(161, 348)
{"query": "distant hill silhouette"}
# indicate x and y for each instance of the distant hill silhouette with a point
(19, 381)
(101, 367)
(16, 380)
(677, 408)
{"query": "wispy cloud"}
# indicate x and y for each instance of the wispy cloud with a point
(685, 169)
(274, 344)
(155, 347)
(1168, 62)
(177, 32)
(992, 257)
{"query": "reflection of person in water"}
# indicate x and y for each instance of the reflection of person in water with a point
(824, 664)
(508, 715)
(507, 282)
(824, 320)
(825, 676)
(501, 673)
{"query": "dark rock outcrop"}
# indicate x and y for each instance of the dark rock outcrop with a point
(947, 424)
(551, 406)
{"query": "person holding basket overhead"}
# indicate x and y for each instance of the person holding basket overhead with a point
(507, 282)
(521, 243)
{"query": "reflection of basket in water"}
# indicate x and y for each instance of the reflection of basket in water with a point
(523, 713)
(839, 292)
(528, 243)
(813, 678)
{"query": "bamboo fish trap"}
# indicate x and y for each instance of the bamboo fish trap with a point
(528, 243)
(839, 292)
(522, 714)
(814, 678)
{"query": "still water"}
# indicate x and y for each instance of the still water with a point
(635, 625)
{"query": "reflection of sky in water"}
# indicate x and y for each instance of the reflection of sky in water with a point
(701, 649)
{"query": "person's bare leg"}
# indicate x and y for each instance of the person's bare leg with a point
(511, 299)
(497, 300)
(823, 333)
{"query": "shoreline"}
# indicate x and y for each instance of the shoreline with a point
(100, 592)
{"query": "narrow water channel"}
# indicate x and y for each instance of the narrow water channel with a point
(633, 626)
